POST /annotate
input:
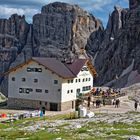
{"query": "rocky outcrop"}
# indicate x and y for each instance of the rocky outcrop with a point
(64, 31)
(134, 4)
(118, 50)
(60, 30)
(13, 36)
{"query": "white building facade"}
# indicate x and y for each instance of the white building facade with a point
(37, 84)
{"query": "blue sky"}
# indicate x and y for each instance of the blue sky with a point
(99, 8)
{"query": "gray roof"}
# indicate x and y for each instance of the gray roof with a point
(65, 70)
(76, 65)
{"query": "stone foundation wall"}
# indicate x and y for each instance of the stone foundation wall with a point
(24, 104)
(67, 105)
(34, 104)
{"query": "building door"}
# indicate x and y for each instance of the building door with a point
(53, 107)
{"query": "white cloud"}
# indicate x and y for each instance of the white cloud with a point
(100, 8)
(7, 11)
(99, 4)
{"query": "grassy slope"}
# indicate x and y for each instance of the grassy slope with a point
(91, 131)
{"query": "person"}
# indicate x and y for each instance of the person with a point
(93, 102)
(117, 103)
(43, 110)
(103, 102)
(96, 103)
(113, 101)
(136, 105)
(88, 105)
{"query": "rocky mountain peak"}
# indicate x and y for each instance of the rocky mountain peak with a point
(60, 31)
(116, 58)
(64, 28)
(134, 4)
(59, 7)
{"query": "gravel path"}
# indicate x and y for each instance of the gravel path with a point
(126, 105)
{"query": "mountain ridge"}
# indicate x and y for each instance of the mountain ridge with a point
(119, 48)
(62, 30)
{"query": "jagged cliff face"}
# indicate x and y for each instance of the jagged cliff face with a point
(118, 53)
(13, 35)
(60, 30)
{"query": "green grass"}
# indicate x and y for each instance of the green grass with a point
(91, 129)
(2, 98)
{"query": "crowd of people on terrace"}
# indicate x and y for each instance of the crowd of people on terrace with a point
(99, 96)
(105, 93)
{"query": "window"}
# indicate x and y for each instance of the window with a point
(20, 90)
(68, 81)
(46, 91)
(71, 91)
(71, 81)
(89, 79)
(78, 90)
(34, 69)
(55, 81)
(86, 79)
(38, 69)
(29, 70)
(89, 87)
(23, 79)
(84, 69)
(40, 102)
(79, 80)
(83, 80)
(59, 89)
(13, 78)
(84, 88)
(68, 92)
(35, 80)
(38, 90)
(76, 80)
(25, 90)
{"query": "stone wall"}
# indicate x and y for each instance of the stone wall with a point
(22, 103)
(67, 105)
(34, 104)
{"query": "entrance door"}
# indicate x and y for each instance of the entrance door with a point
(53, 107)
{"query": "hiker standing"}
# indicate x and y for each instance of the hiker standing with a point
(117, 103)
(113, 102)
(88, 105)
(103, 102)
(136, 105)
